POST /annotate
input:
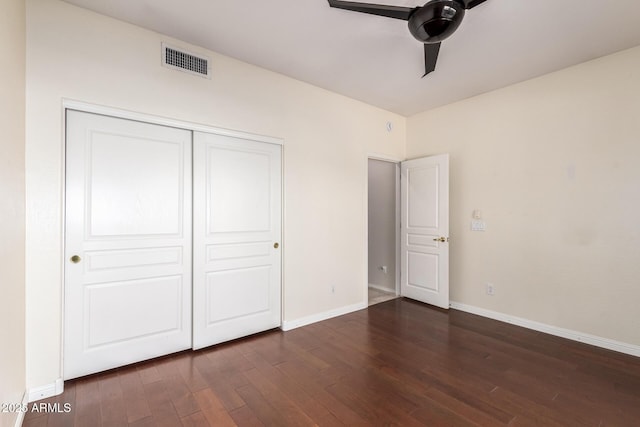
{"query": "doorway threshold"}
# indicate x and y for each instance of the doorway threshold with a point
(376, 296)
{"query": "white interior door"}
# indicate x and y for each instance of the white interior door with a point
(237, 233)
(424, 230)
(127, 243)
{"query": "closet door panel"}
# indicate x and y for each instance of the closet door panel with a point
(237, 233)
(127, 242)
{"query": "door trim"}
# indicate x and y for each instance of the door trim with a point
(71, 104)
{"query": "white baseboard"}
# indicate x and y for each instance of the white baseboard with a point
(21, 414)
(382, 288)
(293, 324)
(609, 344)
(45, 391)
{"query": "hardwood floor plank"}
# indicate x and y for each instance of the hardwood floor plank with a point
(164, 414)
(87, 411)
(364, 410)
(190, 374)
(196, 419)
(213, 409)
(528, 412)
(294, 392)
(437, 415)
(143, 422)
(133, 394)
(586, 412)
(64, 418)
(244, 416)
(303, 339)
(35, 421)
(470, 407)
(390, 406)
(266, 413)
(177, 388)
(455, 392)
(289, 411)
(112, 407)
(148, 372)
(215, 368)
(298, 372)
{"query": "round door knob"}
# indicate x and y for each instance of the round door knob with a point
(276, 245)
(75, 259)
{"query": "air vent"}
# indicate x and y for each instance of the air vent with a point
(179, 59)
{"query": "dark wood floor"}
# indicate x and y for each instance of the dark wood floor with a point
(397, 363)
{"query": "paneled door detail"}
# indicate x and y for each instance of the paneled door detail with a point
(425, 230)
(237, 236)
(127, 242)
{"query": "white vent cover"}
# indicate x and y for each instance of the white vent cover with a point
(181, 60)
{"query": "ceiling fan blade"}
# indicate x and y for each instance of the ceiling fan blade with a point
(470, 4)
(396, 12)
(431, 51)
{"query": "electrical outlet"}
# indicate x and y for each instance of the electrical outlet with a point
(333, 289)
(491, 290)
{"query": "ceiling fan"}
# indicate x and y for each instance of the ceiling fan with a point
(429, 24)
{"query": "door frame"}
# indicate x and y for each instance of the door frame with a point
(396, 162)
(70, 104)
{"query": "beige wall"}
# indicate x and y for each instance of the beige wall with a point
(12, 305)
(80, 55)
(382, 224)
(554, 165)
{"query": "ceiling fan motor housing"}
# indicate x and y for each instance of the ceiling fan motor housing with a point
(436, 20)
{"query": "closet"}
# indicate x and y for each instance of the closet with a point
(172, 240)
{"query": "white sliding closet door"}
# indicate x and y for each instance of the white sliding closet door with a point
(127, 244)
(237, 233)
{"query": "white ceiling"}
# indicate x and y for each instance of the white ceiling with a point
(375, 59)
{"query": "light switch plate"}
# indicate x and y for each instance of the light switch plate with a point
(478, 226)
